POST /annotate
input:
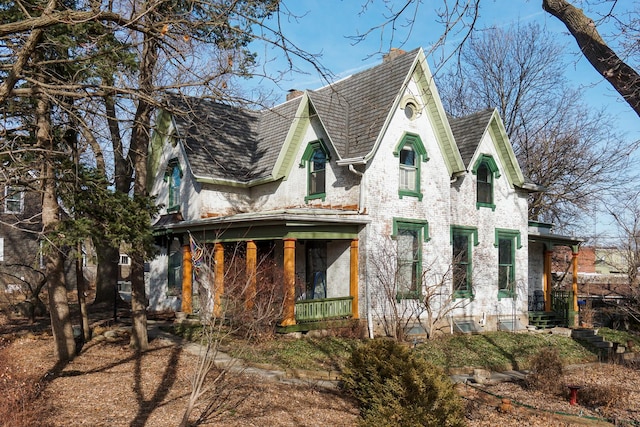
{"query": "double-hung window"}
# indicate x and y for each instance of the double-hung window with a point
(462, 241)
(486, 171)
(316, 156)
(409, 235)
(411, 154)
(408, 170)
(507, 241)
(173, 176)
(13, 200)
(174, 276)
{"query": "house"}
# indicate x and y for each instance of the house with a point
(22, 269)
(20, 260)
(365, 193)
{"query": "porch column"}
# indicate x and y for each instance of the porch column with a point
(574, 283)
(289, 283)
(187, 280)
(218, 283)
(353, 279)
(250, 294)
(546, 280)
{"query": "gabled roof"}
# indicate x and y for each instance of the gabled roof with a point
(229, 144)
(354, 110)
(235, 146)
(469, 131)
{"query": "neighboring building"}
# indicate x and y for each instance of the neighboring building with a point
(20, 260)
(332, 178)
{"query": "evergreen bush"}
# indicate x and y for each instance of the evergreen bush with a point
(395, 388)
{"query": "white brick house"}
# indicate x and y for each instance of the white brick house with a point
(328, 181)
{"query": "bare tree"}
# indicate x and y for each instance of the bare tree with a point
(250, 305)
(427, 300)
(625, 211)
(459, 20)
(561, 144)
(614, 69)
(103, 83)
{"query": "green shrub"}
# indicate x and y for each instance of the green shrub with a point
(395, 388)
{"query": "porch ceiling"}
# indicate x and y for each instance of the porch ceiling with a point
(299, 224)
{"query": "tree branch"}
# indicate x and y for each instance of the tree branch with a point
(621, 76)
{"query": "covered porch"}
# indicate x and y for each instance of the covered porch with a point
(316, 257)
(549, 307)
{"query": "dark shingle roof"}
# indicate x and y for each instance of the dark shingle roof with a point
(354, 109)
(468, 131)
(230, 143)
(226, 142)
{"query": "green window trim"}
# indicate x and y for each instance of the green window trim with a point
(316, 177)
(420, 231)
(460, 261)
(410, 143)
(486, 161)
(507, 242)
(173, 175)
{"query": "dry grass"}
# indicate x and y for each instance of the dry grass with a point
(109, 385)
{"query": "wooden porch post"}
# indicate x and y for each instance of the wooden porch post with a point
(218, 255)
(251, 260)
(546, 280)
(353, 279)
(289, 283)
(187, 280)
(574, 283)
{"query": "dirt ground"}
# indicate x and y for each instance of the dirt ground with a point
(109, 385)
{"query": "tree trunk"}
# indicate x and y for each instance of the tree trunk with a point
(82, 301)
(107, 273)
(65, 347)
(622, 77)
(138, 152)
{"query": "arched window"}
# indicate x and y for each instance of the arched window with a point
(173, 176)
(316, 156)
(484, 184)
(408, 169)
(486, 171)
(411, 154)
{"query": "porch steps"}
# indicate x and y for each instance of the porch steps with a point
(591, 337)
(544, 319)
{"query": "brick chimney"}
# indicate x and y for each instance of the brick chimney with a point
(293, 94)
(394, 52)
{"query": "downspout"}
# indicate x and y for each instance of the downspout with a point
(362, 184)
(367, 291)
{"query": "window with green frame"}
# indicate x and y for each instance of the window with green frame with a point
(411, 154)
(409, 235)
(174, 277)
(173, 176)
(316, 157)
(463, 239)
(486, 171)
(507, 241)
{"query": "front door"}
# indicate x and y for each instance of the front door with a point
(316, 256)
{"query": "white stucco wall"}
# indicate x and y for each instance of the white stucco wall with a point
(510, 213)
(383, 203)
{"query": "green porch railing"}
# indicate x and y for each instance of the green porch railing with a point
(314, 310)
(562, 305)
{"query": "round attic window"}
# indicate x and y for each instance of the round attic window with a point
(410, 110)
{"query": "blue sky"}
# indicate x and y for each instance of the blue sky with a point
(324, 26)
